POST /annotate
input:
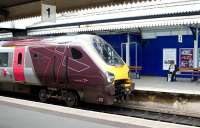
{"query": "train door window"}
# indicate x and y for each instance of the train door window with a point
(3, 59)
(76, 54)
(19, 61)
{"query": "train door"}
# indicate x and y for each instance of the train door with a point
(18, 65)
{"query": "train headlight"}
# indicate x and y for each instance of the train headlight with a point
(110, 77)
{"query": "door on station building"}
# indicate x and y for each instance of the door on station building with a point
(18, 65)
(129, 53)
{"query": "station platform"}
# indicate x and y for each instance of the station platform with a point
(17, 113)
(160, 84)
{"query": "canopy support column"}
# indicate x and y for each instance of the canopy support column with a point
(196, 52)
(128, 50)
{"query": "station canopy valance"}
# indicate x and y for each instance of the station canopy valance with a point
(114, 17)
(159, 22)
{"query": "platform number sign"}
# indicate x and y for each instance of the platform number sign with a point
(48, 13)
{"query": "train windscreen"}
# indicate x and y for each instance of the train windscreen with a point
(106, 52)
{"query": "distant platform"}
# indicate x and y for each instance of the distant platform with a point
(160, 84)
(16, 113)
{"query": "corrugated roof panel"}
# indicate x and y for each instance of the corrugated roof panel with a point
(172, 21)
(112, 12)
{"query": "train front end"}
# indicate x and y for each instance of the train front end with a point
(118, 85)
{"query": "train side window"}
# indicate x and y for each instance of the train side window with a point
(19, 61)
(76, 54)
(3, 59)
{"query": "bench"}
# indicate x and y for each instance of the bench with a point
(193, 73)
(135, 71)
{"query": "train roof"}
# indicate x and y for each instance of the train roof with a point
(37, 41)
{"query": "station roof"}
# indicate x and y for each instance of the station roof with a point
(115, 17)
(8, 8)
(9, 3)
(16, 9)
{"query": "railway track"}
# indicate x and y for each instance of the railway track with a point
(119, 110)
(145, 114)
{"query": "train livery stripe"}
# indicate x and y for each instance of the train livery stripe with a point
(18, 65)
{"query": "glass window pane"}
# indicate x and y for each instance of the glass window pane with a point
(19, 62)
(76, 54)
(3, 59)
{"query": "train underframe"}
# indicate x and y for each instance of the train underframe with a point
(72, 97)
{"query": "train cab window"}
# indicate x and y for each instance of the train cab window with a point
(19, 62)
(35, 56)
(3, 59)
(76, 54)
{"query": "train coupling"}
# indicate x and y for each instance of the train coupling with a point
(123, 91)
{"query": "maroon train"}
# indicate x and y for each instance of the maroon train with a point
(70, 68)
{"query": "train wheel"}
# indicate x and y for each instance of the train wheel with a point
(43, 95)
(71, 99)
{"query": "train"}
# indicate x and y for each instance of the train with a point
(70, 68)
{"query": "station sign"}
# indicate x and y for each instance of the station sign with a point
(48, 12)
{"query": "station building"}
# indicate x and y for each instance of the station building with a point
(147, 35)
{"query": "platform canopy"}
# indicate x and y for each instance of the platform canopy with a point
(16, 9)
(144, 14)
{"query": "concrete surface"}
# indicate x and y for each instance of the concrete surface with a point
(15, 113)
(160, 84)
(14, 117)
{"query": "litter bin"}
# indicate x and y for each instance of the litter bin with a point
(169, 77)
(136, 75)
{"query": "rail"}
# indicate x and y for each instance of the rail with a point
(124, 109)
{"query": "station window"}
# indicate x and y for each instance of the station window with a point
(19, 62)
(76, 54)
(3, 59)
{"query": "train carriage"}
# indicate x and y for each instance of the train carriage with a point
(70, 68)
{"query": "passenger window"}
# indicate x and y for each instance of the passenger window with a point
(76, 54)
(19, 62)
(3, 59)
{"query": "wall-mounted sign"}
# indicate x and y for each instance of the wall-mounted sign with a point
(169, 55)
(186, 58)
(180, 38)
(48, 13)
